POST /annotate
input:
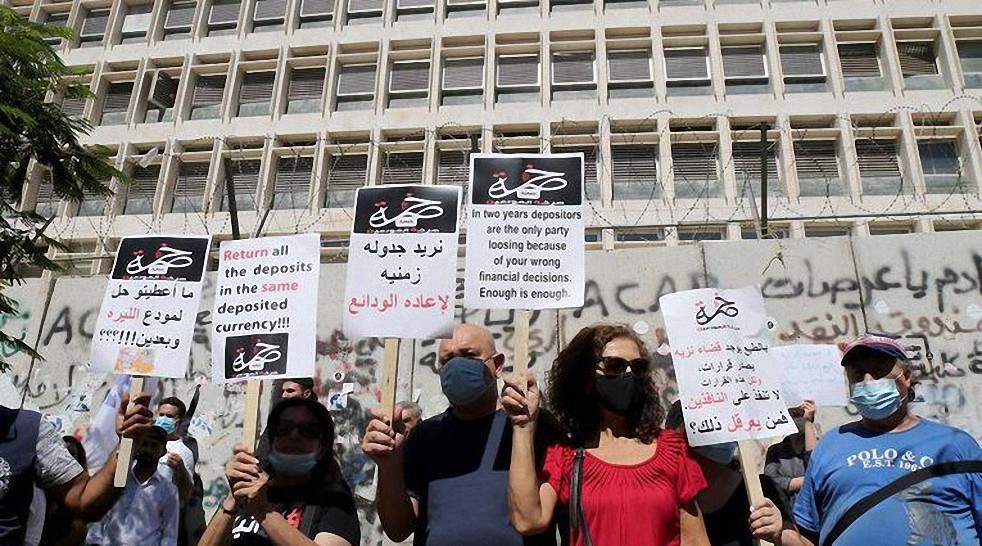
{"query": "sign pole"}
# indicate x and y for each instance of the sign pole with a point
(390, 371)
(125, 456)
(520, 360)
(751, 475)
(250, 421)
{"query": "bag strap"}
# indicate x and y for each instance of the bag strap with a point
(576, 518)
(894, 487)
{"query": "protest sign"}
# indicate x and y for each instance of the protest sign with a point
(525, 246)
(811, 372)
(263, 325)
(728, 384)
(147, 317)
(401, 277)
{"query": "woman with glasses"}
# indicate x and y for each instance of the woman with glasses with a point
(293, 496)
(635, 482)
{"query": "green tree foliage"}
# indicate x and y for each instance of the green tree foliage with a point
(31, 129)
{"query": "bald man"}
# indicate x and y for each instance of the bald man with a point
(448, 482)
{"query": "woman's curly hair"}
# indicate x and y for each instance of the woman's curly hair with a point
(569, 399)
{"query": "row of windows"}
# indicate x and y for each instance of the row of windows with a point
(517, 77)
(302, 178)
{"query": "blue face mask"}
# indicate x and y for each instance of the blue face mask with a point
(292, 465)
(169, 424)
(718, 453)
(463, 380)
(876, 399)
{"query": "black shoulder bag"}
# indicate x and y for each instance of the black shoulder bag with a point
(894, 487)
(576, 519)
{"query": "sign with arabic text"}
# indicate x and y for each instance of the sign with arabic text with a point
(729, 385)
(148, 313)
(264, 324)
(811, 372)
(402, 264)
(525, 232)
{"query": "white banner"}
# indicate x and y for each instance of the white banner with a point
(811, 372)
(265, 319)
(147, 317)
(729, 386)
(402, 263)
(525, 232)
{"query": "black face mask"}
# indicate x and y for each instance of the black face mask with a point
(618, 394)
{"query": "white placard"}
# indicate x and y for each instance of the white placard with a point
(402, 265)
(265, 320)
(148, 313)
(729, 386)
(525, 246)
(811, 372)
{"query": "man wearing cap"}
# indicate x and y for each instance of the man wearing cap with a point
(859, 458)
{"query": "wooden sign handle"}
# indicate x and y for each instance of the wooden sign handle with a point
(520, 360)
(390, 372)
(250, 422)
(751, 475)
(125, 457)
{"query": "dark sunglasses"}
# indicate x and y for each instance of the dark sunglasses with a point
(307, 431)
(615, 365)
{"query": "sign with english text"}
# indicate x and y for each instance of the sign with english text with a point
(729, 385)
(151, 303)
(264, 324)
(525, 232)
(401, 278)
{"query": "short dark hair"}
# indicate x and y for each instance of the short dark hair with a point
(182, 410)
(157, 433)
(305, 382)
(328, 464)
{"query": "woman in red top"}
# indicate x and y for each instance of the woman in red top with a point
(639, 481)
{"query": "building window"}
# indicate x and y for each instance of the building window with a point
(694, 170)
(970, 56)
(402, 168)
(365, 11)
(407, 10)
(136, 23)
(306, 90)
(316, 13)
(356, 86)
(518, 78)
(570, 5)
(47, 202)
(591, 184)
(73, 107)
(687, 70)
(206, 102)
(140, 192)
(162, 98)
(268, 14)
(634, 172)
(942, 169)
(346, 173)
(746, 167)
(745, 69)
(574, 75)
(189, 192)
(116, 102)
(245, 176)
(93, 205)
(803, 67)
(56, 19)
(817, 165)
(919, 65)
(879, 167)
(256, 93)
(453, 167)
(628, 70)
(860, 64)
(463, 81)
(292, 188)
(517, 6)
(459, 8)
(179, 19)
(409, 83)
(223, 17)
(93, 28)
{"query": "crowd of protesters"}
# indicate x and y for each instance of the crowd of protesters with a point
(593, 459)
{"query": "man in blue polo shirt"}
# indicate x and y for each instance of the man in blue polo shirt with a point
(860, 458)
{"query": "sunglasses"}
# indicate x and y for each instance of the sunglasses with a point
(308, 431)
(615, 365)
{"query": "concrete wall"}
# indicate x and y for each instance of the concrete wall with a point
(926, 287)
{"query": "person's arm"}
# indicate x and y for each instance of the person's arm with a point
(692, 526)
(219, 530)
(531, 504)
(775, 470)
(182, 478)
(384, 444)
(168, 519)
(811, 431)
(767, 524)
